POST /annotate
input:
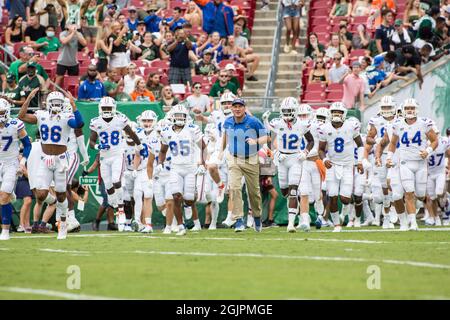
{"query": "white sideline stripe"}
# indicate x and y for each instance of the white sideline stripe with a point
(347, 230)
(63, 251)
(4, 249)
(57, 294)
(259, 255)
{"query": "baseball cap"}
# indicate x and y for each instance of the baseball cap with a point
(378, 60)
(10, 77)
(398, 22)
(230, 66)
(131, 8)
(239, 101)
(141, 22)
(32, 64)
(356, 64)
(111, 5)
(208, 51)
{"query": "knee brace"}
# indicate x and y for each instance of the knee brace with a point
(61, 208)
(7, 210)
(50, 199)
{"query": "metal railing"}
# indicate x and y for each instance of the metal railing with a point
(272, 77)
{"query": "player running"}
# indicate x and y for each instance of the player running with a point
(54, 126)
(11, 131)
(108, 127)
(338, 137)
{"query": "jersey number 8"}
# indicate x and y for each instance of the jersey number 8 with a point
(114, 138)
(339, 145)
(54, 133)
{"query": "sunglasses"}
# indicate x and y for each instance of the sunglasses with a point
(223, 76)
(336, 58)
(197, 87)
(319, 61)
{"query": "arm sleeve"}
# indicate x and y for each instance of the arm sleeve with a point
(82, 147)
(26, 146)
(76, 121)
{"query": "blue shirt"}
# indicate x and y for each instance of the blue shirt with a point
(238, 133)
(132, 25)
(89, 90)
(152, 23)
(218, 18)
(177, 24)
(374, 76)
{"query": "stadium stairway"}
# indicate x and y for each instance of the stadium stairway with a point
(262, 38)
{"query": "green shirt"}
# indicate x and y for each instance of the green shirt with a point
(90, 16)
(217, 90)
(53, 44)
(110, 86)
(27, 85)
(14, 94)
(14, 69)
(123, 97)
(156, 91)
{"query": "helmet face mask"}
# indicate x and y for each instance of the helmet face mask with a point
(107, 112)
(288, 109)
(410, 108)
(304, 112)
(5, 110)
(55, 102)
(226, 100)
(226, 107)
(288, 114)
(387, 111)
(147, 120)
(322, 115)
(179, 115)
(338, 112)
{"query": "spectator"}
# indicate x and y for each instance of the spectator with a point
(118, 58)
(194, 14)
(365, 63)
(154, 85)
(354, 88)
(199, 46)
(231, 70)
(50, 43)
(345, 36)
(336, 46)
(218, 16)
(67, 60)
(291, 17)
(384, 32)
(2, 79)
(14, 33)
(176, 22)
(148, 51)
(361, 39)
(34, 31)
(179, 71)
(428, 22)
(91, 88)
(188, 30)
(198, 101)
(138, 37)
(361, 8)
(376, 12)
(19, 67)
(112, 82)
(122, 96)
(338, 71)
(390, 65)
(412, 14)
(249, 57)
(440, 34)
(132, 19)
(313, 48)
(205, 66)
(130, 78)
(318, 74)
(266, 174)
(242, 21)
(376, 76)
(141, 93)
(409, 61)
(234, 53)
(103, 49)
(73, 13)
(221, 85)
(88, 13)
(401, 36)
(152, 20)
(341, 8)
(168, 39)
(426, 53)
(168, 100)
(31, 81)
(20, 8)
(11, 92)
(215, 44)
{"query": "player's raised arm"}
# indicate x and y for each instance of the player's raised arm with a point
(25, 139)
(23, 115)
(133, 136)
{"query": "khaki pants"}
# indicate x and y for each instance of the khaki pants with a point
(249, 168)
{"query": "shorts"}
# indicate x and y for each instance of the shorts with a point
(57, 172)
(179, 75)
(310, 183)
(8, 175)
(111, 170)
(291, 12)
(436, 184)
(141, 186)
(340, 181)
(413, 176)
(289, 172)
(23, 188)
(118, 60)
(265, 184)
(71, 70)
(102, 65)
(161, 190)
(183, 180)
(89, 31)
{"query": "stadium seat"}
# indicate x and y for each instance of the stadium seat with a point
(323, 28)
(17, 47)
(360, 20)
(312, 97)
(335, 87)
(53, 56)
(357, 53)
(334, 96)
(71, 83)
(315, 87)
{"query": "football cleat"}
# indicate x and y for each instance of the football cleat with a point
(350, 224)
(4, 235)
(182, 232)
(239, 227)
(291, 228)
(62, 230)
(196, 228)
(167, 230)
(318, 222)
(147, 229)
(257, 224)
(357, 222)
(305, 227)
(337, 229)
(212, 227)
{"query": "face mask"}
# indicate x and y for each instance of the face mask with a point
(50, 34)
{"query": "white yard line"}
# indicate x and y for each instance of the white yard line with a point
(4, 249)
(56, 294)
(63, 251)
(317, 258)
(353, 230)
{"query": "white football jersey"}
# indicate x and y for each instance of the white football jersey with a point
(412, 138)
(155, 148)
(110, 133)
(9, 143)
(218, 118)
(130, 153)
(340, 141)
(72, 146)
(289, 135)
(145, 141)
(54, 129)
(382, 126)
(314, 130)
(436, 160)
(182, 144)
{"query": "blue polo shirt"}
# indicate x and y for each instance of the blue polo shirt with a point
(238, 133)
(91, 90)
(374, 75)
(177, 24)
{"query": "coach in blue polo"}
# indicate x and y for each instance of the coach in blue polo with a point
(244, 136)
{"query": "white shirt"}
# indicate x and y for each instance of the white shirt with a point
(9, 143)
(289, 135)
(201, 102)
(412, 138)
(436, 160)
(130, 83)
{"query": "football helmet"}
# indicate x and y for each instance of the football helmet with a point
(338, 112)
(107, 107)
(5, 110)
(387, 107)
(410, 108)
(55, 102)
(322, 115)
(179, 115)
(147, 120)
(289, 108)
(304, 111)
(226, 101)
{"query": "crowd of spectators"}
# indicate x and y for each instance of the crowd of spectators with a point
(372, 43)
(129, 50)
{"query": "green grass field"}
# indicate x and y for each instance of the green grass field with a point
(224, 265)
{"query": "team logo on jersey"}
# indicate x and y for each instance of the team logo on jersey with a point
(281, 129)
(170, 137)
(401, 129)
(329, 133)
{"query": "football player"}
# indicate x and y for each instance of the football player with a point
(338, 138)
(412, 132)
(182, 139)
(11, 131)
(128, 183)
(108, 127)
(55, 126)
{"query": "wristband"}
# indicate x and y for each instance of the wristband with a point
(390, 154)
(325, 159)
(139, 147)
(96, 147)
(429, 150)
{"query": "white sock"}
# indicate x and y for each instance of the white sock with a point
(292, 214)
(181, 227)
(318, 205)
(229, 215)
(61, 208)
(197, 223)
(305, 218)
(335, 218)
(378, 209)
(366, 210)
(345, 210)
(174, 222)
(411, 217)
(214, 212)
(148, 220)
(5, 231)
